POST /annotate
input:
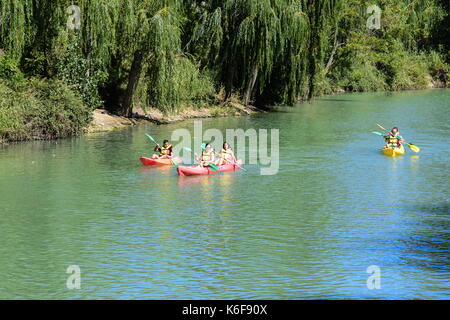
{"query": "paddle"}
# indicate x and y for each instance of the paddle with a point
(240, 167)
(379, 125)
(378, 133)
(171, 160)
(151, 138)
(212, 166)
(175, 164)
(413, 147)
(235, 162)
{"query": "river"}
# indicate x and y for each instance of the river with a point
(336, 207)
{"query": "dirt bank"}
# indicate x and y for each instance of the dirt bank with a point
(104, 121)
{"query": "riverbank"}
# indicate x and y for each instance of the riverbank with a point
(104, 121)
(42, 109)
(40, 125)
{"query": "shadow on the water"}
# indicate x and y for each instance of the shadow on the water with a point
(429, 245)
(338, 100)
(434, 209)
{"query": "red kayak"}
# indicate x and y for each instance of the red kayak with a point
(159, 162)
(197, 170)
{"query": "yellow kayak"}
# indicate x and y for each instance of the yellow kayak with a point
(394, 151)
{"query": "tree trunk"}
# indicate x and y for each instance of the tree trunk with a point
(316, 10)
(336, 45)
(251, 84)
(229, 82)
(312, 68)
(133, 79)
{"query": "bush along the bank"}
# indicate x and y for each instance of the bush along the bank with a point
(9, 70)
(75, 70)
(40, 109)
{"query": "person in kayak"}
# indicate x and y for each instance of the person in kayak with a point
(165, 152)
(393, 139)
(226, 155)
(207, 156)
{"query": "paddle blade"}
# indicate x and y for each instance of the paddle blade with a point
(187, 149)
(413, 147)
(213, 167)
(240, 167)
(378, 133)
(174, 163)
(150, 137)
(203, 146)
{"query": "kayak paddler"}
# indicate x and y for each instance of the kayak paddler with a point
(393, 138)
(226, 155)
(207, 156)
(165, 151)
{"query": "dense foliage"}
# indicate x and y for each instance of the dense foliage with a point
(38, 109)
(170, 54)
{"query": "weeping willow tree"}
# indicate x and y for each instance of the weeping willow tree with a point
(35, 32)
(252, 39)
(286, 83)
(97, 33)
(83, 53)
(257, 41)
(319, 13)
(203, 34)
(150, 32)
(35, 25)
(15, 16)
(247, 39)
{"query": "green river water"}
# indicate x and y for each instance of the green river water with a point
(336, 206)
